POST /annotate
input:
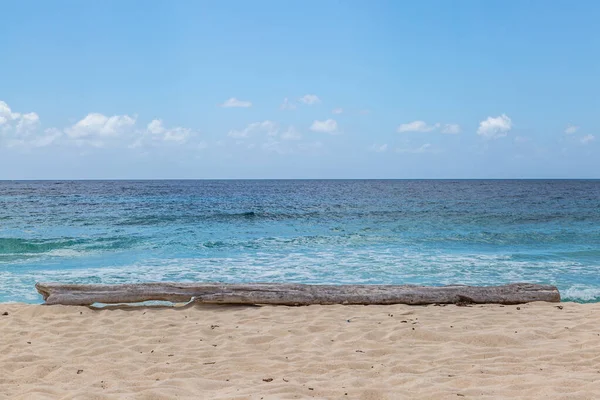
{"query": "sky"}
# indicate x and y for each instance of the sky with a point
(299, 89)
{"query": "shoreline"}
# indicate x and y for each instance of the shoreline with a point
(534, 350)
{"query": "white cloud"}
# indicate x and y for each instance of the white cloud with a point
(156, 133)
(310, 99)
(451, 129)
(291, 134)
(95, 129)
(177, 134)
(5, 111)
(327, 126)
(286, 105)
(22, 123)
(28, 123)
(17, 129)
(233, 102)
(98, 125)
(426, 148)
(6, 114)
(417, 126)
(494, 128)
(50, 136)
(239, 134)
(587, 139)
(269, 127)
(156, 127)
(44, 139)
(378, 148)
(422, 126)
(338, 110)
(571, 129)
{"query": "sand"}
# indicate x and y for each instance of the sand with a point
(531, 351)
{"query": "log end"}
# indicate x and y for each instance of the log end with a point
(43, 290)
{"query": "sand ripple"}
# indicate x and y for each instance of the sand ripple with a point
(327, 352)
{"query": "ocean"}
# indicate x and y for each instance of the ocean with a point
(431, 232)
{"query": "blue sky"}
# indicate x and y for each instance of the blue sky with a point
(311, 89)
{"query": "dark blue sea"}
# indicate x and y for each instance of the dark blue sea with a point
(433, 232)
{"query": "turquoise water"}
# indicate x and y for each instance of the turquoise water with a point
(430, 232)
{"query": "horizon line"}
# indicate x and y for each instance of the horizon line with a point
(291, 179)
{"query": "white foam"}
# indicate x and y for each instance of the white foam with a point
(581, 293)
(66, 253)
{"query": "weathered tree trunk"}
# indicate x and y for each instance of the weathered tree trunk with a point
(294, 294)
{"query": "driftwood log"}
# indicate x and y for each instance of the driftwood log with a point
(294, 294)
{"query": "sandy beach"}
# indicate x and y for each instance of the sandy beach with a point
(537, 350)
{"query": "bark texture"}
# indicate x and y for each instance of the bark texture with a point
(294, 294)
